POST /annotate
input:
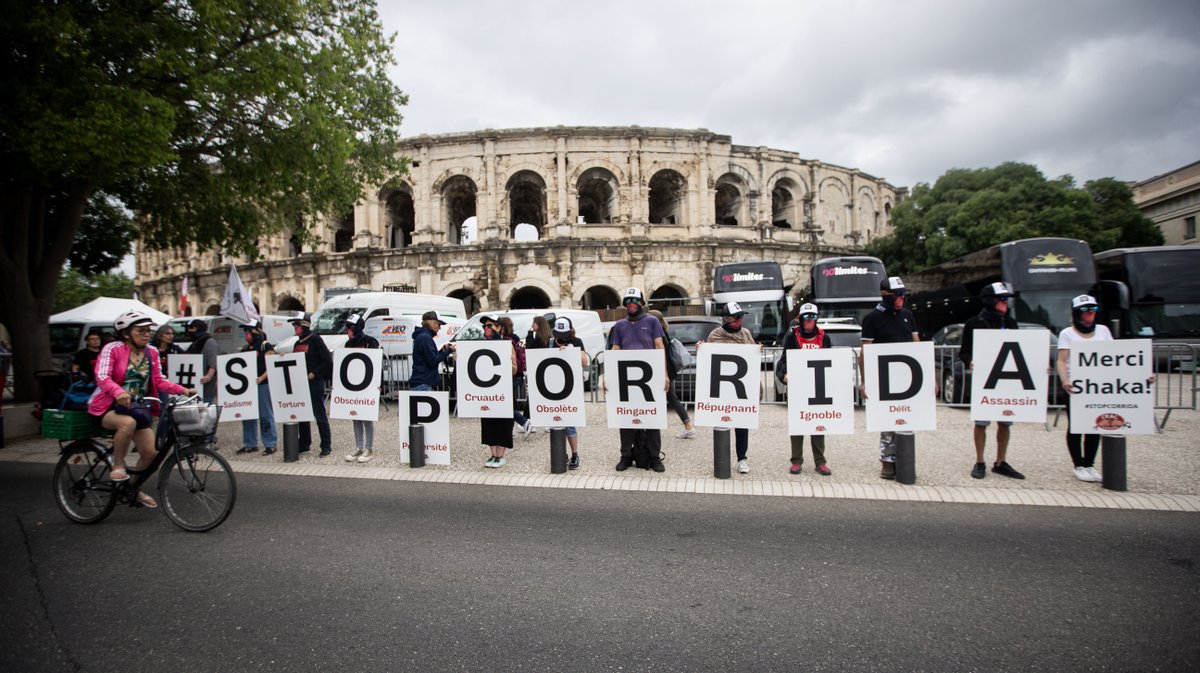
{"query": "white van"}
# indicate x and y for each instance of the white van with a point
(395, 337)
(329, 320)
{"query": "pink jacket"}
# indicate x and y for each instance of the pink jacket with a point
(110, 374)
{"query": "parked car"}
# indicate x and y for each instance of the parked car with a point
(689, 329)
(954, 381)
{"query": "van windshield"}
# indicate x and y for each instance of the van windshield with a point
(333, 320)
(65, 338)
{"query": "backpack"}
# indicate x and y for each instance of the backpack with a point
(640, 453)
(680, 357)
(520, 350)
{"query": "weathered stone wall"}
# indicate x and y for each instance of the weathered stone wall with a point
(611, 207)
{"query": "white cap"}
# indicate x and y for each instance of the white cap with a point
(808, 309)
(894, 283)
(1001, 289)
(733, 309)
(1084, 300)
(633, 293)
(354, 319)
(562, 326)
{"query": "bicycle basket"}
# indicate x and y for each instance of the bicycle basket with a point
(195, 420)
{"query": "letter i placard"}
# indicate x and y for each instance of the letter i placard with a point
(357, 373)
(821, 391)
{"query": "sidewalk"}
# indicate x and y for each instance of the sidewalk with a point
(1162, 468)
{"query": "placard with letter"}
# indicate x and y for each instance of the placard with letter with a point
(728, 379)
(901, 388)
(820, 389)
(237, 387)
(287, 377)
(357, 373)
(555, 383)
(186, 370)
(1011, 375)
(430, 409)
(483, 376)
(636, 389)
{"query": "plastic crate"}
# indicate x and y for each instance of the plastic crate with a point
(69, 425)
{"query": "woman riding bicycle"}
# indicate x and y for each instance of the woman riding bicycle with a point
(125, 371)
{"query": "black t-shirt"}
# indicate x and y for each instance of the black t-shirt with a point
(887, 327)
(982, 321)
(86, 360)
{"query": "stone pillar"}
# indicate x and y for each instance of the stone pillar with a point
(561, 157)
(487, 220)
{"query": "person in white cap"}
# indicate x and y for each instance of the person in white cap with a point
(805, 335)
(364, 431)
(256, 342)
(638, 332)
(564, 337)
(731, 331)
(1083, 327)
(319, 361)
(995, 315)
(889, 323)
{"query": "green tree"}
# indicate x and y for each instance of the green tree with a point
(76, 288)
(968, 210)
(216, 122)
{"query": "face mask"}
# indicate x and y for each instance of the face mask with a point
(562, 341)
(733, 325)
(633, 308)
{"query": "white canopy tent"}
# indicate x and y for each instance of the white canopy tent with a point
(107, 309)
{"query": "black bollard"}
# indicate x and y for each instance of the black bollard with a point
(416, 445)
(906, 457)
(1112, 459)
(291, 442)
(558, 450)
(721, 453)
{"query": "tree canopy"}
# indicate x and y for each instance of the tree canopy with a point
(215, 122)
(77, 289)
(968, 210)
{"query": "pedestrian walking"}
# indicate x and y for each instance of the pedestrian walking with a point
(888, 323)
(364, 431)
(805, 334)
(995, 315)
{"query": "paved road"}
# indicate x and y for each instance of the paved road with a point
(325, 574)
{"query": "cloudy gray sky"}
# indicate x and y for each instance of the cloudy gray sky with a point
(903, 90)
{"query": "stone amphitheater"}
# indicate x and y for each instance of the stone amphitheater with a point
(562, 216)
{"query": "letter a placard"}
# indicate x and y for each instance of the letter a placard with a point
(356, 376)
(237, 387)
(1010, 376)
(288, 379)
(901, 393)
(728, 378)
(483, 374)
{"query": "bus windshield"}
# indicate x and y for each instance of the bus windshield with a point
(1164, 289)
(1049, 308)
(766, 320)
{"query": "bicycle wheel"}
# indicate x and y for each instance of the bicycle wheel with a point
(196, 489)
(81, 486)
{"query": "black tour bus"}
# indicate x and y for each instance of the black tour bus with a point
(1151, 293)
(1045, 273)
(846, 287)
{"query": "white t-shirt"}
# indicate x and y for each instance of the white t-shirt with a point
(1069, 336)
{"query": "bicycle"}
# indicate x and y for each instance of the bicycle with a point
(196, 487)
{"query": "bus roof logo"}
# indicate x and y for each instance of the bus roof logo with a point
(1051, 259)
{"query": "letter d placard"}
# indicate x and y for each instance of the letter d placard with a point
(901, 393)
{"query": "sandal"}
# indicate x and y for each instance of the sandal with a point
(118, 474)
(146, 501)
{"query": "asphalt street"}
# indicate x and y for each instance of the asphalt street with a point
(317, 574)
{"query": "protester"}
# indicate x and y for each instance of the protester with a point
(564, 337)
(731, 331)
(889, 323)
(507, 331)
(496, 433)
(638, 331)
(995, 315)
(364, 431)
(84, 360)
(426, 356)
(805, 335)
(256, 342)
(127, 371)
(164, 342)
(540, 335)
(320, 367)
(1083, 327)
(204, 344)
(673, 401)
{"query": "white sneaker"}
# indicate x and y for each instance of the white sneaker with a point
(1081, 473)
(743, 467)
(686, 433)
(1095, 476)
(350, 458)
(366, 456)
(527, 429)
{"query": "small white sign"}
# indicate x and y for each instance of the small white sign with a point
(1113, 395)
(820, 389)
(1011, 376)
(636, 395)
(555, 383)
(186, 370)
(483, 375)
(237, 386)
(287, 376)
(728, 378)
(901, 392)
(357, 373)
(430, 409)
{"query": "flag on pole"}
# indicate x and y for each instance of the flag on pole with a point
(236, 303)
(183, 297)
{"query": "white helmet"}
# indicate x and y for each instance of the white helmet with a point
(130, 318)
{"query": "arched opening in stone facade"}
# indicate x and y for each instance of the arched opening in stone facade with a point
(213, 309)
(529, 297)
(730, 202)
(600, 297)
(469, 300)
(458, 200)
(597, 196)
(666, 296)
(343, 235)
(289, 303)
(667, 194)
(401, 217)
(784, 210)
(526, 201)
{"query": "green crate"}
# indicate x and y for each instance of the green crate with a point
(69, 425)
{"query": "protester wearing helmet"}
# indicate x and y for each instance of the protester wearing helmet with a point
(319, 361)
(889, 323)
(126, 371)
(806, 334)
(256, 342)
(637, 332)
(364, 431)
(995, 315)
(732, 331)
(1083, 327)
